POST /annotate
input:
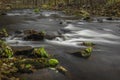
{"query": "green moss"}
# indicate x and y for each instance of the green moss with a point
(28, 65)
(53, 62)
(36, 10)
(10, 65)
(3, 33)
(42, 32)
(87, 52)
(40, 52)
(5, 50)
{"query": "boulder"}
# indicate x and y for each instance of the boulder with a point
(33, 35)
(22, 50)
(100, 20)
(18, 32)
(109, 18)
(5, 50)
(28, 32)
(3, 13)
(85, 53)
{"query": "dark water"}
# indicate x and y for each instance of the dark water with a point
(104, 64)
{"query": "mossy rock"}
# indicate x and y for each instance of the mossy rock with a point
(31, 65)
(88, 44)
(5, 50)
(87, 52)
(34, 35)
(40, 52)
(7, 67)
(53, 62)
(36, 10)
(3, 33)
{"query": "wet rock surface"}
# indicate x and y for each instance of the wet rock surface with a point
(22, 50)
(33, 35)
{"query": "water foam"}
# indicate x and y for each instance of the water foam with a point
(91, 33)
(72, 27)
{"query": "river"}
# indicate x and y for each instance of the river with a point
(104, 63)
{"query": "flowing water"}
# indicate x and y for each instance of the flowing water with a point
(104, 64)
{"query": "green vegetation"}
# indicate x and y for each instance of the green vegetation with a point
(40, 52)
(111, 2)
(93, 7)
(5, 50)
(88, 44)
(87, 52)
(12, 64)
(36, 10)
(53, 62)
(44, 6)
(3, 33)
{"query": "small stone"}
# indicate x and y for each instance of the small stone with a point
(61, 69)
